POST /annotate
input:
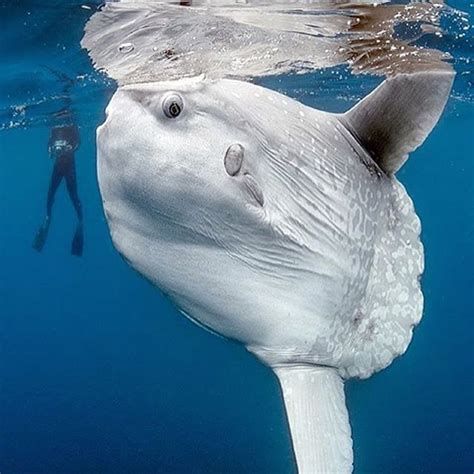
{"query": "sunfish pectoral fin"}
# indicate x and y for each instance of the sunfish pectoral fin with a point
(234, 166)
(397, 116)
(234, 159)
(318, 419)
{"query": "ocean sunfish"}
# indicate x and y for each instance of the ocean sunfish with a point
(277, 225)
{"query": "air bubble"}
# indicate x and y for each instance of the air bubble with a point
(126, 48)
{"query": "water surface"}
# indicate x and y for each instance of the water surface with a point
(100, 374)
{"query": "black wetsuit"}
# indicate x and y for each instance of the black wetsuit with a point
(63, 143)
(64, 167)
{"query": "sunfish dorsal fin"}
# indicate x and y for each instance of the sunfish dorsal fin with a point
(398, 115)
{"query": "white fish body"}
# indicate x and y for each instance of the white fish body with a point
(277, 225)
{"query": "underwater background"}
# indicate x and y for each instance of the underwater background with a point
(99, 373)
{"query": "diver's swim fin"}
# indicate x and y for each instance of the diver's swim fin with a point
(41, 235)
(77, 244)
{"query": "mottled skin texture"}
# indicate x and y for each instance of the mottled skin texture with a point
(289, 278)
(279, 226)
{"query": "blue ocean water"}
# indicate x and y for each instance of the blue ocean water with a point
(100, 374)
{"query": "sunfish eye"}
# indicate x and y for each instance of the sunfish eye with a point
(172, 105)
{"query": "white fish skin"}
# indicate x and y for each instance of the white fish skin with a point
(290, 266)
(308, 252)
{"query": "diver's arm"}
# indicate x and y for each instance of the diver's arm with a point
(76, 138)
(50, 143)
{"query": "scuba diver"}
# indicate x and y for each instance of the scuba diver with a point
(62, 144)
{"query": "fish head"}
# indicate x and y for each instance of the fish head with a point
(183, 191)
(175, 149)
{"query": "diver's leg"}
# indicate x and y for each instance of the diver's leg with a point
(42, 234)
(71, 183)
(56, 178)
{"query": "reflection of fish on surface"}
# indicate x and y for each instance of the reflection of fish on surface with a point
(281, 226)
(252, 40)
